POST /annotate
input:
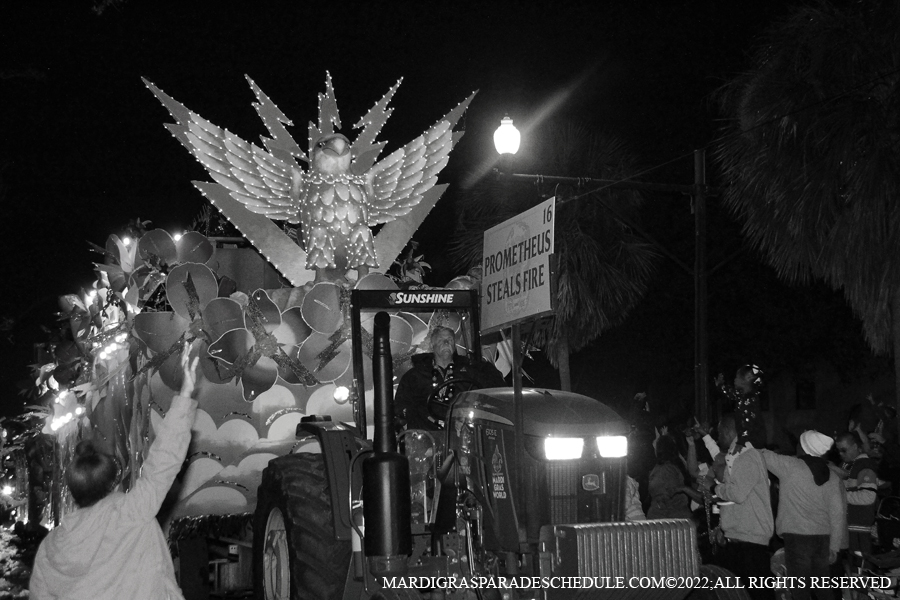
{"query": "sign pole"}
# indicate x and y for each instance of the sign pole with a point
(519, 415)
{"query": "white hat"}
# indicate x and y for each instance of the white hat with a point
(815, 443)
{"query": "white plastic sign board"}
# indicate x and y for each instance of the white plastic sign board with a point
(516, 268)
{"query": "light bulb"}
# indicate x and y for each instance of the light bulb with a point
(341, 393)
(507, 137)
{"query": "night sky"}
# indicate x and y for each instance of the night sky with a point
(84, 150)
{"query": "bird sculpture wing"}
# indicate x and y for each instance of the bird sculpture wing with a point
(400, 180)
(254, 177)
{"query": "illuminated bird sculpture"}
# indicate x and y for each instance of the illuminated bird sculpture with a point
(344, 191)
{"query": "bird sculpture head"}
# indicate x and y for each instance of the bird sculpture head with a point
(331, 154)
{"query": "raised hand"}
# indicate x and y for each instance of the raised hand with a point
(190, 371)
(702, 428)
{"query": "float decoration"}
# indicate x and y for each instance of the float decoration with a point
(341, 195)
(265, 347)
(189, 288)
(286, 351)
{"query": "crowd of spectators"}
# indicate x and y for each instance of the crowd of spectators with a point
(809, 513)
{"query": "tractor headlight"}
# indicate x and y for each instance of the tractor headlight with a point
(612, 446)
(563, 448)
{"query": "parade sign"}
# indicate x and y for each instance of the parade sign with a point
(516, 268)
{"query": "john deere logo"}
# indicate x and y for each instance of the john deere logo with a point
(590, 482)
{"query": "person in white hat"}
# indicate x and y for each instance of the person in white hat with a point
(812, 514)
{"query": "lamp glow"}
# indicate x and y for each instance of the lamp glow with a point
(507, 137)
(176, 237)
(341, 394)
(563, 448)
(7, 490)
(612, 446)
(126, 240)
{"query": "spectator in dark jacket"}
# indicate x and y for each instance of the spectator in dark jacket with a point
(669, 493)
(861, 483)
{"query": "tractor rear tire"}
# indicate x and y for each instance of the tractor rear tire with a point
(713, 573)
(294, 546)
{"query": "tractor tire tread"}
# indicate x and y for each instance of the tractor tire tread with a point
(297, 484)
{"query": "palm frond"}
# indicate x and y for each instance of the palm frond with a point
(811, 153)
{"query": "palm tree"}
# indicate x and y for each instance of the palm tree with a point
(603, 267)
(811, 156)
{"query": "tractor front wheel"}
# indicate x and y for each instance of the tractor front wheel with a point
(295, 553)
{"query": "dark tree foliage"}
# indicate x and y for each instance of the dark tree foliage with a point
(811, 156)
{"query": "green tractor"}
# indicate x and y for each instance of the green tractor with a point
(481, 510)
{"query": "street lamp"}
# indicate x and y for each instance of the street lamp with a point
(507, 137)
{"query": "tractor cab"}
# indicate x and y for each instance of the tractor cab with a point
(413, 314)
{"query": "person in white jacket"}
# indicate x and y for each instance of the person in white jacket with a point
(111, 546)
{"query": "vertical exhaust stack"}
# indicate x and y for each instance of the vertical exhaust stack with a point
(386, 501)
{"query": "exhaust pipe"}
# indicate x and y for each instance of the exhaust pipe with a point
(386, 490)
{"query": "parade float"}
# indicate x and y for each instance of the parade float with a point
(286, 491)
(266, 311)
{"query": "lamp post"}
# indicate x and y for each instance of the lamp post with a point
(506, 141)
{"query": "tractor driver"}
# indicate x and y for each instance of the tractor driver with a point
(429, 371)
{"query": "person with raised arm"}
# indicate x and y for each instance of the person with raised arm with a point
(112, 546)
